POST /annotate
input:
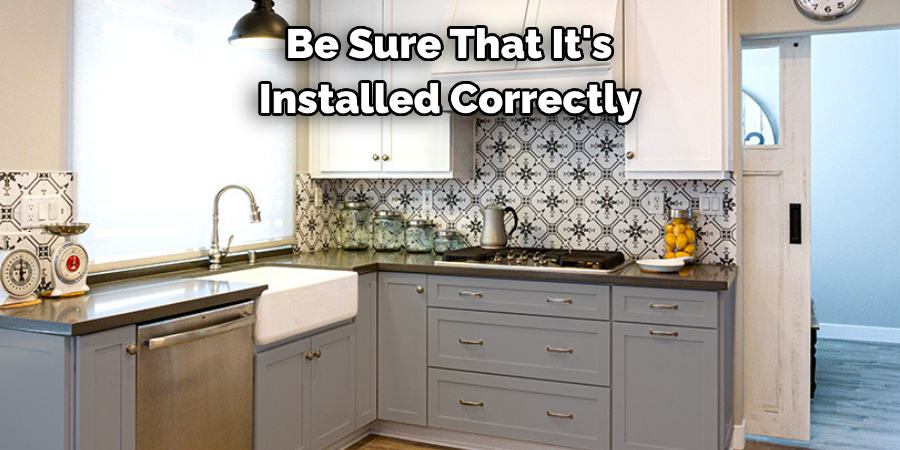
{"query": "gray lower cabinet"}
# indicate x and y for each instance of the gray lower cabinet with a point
(333, 386)
(50, 379)
(665, 387)
(402, 349)
(367, 351)
(105, 382)
(539, 411)
(304, 392)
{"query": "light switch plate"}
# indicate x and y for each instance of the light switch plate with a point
(427, 201)
(35, 210)
(654, 203)
(712, 204)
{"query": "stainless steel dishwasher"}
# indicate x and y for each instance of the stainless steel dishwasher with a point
(195, 381)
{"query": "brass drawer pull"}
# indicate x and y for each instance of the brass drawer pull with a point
(465, 403)
(655, 306)
(471, 294)
(309, 356)
(560, 350)
(317, 353)
(559, 300)
(664, 333)
(560, 416)
(465, 342)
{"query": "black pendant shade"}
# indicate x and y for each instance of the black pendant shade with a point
(260, 28)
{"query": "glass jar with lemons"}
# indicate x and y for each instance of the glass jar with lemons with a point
(680, 238)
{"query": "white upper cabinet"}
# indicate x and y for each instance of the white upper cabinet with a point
(514, 16)
(678, 56)
(410, 146)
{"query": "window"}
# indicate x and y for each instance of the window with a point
(760, 99)
(164, 115)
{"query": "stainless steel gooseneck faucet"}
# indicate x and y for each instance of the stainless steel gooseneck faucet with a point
(215, 253)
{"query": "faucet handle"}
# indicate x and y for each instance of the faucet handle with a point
(228, 248)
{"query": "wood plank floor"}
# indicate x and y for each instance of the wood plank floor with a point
(857, 405)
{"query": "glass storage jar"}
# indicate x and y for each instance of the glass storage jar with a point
(356, 220)
(387, 231)
(419, 236)
(448, 240)
(680, 235)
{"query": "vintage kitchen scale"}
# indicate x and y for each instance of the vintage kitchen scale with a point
(69, 262)
(20, 274)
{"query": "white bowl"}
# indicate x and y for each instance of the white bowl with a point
(661, 265)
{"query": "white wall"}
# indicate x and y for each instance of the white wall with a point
(855, 181)
(34, 85)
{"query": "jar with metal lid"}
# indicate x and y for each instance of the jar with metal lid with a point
(680, 236)
(419, 236)
(356, 222)
(387, 231)
(448, 240)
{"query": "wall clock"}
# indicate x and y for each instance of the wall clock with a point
(826, 9)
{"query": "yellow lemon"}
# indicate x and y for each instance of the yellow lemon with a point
(669, 255)
(681, 241)
(670, 248)
(670, 228)
(679, 228)
(690, 249)
(691, 236)
(681, 255)
(670, 239)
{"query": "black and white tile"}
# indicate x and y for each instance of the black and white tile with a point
(13, 187)
(565, 176)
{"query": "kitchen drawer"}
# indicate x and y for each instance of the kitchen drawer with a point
(584, 301)
(665, 306)
(575, 351)
(539, 411)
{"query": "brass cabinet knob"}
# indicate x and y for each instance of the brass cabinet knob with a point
(131, 349)
(629, 155)
(317, 353)
(420, 289)
(385, 157)
(375, 157)
(309, 356)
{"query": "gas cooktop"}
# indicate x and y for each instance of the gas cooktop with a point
(556, 260)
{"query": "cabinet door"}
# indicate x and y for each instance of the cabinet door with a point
(417, 143)
(333, 381)
(345, 144)
(546, 14)
(402, 350)
(281, 398)
(500, 16)
(665, 388)
(367, 351)
(105, 379)
(681, 127)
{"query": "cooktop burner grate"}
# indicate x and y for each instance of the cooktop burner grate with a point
(550, 258)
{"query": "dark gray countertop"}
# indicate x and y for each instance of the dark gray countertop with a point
(697, 277)
(126, 303)
(146, 295)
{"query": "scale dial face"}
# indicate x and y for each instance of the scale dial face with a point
(21, 273)
(71, 263)
(826, 9)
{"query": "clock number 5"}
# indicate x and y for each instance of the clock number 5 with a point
(840, 5)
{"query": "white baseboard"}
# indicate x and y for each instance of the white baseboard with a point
(454, 439)
(739, 440)
(859, 333)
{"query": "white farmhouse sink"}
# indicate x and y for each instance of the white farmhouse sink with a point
(298, 300)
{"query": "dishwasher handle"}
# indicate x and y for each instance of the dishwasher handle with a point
(190, 336)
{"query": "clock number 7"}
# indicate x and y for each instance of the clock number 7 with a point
(814, 5)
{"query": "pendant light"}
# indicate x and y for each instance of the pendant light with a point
(262, 27)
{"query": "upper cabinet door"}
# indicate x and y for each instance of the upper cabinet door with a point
(546, 14)
(500, 16)
(346, 144)
(682, 124)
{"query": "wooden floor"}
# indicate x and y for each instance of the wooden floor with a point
(857, 405)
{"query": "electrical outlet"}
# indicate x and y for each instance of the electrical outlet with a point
(655, 203)
(427, 201)
(37, 209)
(318, 200)
(712, 204)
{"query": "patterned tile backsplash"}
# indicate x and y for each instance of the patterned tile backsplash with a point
(14, 186)
(564, 175)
